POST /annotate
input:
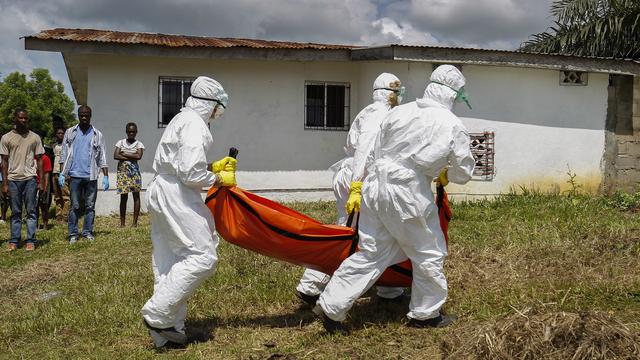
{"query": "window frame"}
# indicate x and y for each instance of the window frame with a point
(581, 78)
(161, 80)
(487, 170)
(346, 108)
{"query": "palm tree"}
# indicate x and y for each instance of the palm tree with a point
(602, 28)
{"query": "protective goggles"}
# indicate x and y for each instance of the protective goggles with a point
(207, 99)
(461, 94)
(399, 91)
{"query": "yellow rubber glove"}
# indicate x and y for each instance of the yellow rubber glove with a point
(226, 178)
(355, 197)
(443, 178)
(227, 163)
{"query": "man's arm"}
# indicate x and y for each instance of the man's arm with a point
(5, 174)
(102, 157)
(46, 181)
(40, 173)
(63, 152)
(191, 158)
(461, 160)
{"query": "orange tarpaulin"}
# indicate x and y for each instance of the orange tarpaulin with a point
(268, 228)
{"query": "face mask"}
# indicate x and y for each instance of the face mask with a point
(217, 112)
(461, 95)
(399, 92)
(218, 102)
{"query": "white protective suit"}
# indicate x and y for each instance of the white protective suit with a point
(182, 227)
(399, 218)
(360, 140)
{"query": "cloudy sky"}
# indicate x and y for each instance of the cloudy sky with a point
(494, 24)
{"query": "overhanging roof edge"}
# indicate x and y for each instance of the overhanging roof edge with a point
(496, 58)
(102, 48)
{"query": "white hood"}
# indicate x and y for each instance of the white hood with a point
(448, 75)
(207, 88)
(384, 80)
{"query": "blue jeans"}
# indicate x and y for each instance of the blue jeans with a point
(23, 192)
(82, 189)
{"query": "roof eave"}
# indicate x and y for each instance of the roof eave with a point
(496, 58)
(246, 53)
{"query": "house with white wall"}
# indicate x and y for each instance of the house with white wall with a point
(535, 118)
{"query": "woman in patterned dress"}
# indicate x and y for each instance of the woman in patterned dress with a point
(128, 151)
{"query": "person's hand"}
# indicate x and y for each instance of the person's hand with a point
(5, 188)
(227, 163)
(61, 180)
(226, 177)
(355, 197)
(41, 186)
(105, 183)
(442, 178)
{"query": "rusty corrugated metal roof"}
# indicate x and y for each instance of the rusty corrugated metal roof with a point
(121, 37)
(503, 51)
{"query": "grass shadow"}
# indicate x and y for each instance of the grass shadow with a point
(201, 330)
(302, 316)
(98, 233)
(42, 242)
(372, 310)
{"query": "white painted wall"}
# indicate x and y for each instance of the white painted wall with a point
(542, 129)
(265, 118)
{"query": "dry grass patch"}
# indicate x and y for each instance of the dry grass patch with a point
(574, 259)
(546, 335)
(37, 272)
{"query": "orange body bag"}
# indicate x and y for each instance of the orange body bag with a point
(271, 229)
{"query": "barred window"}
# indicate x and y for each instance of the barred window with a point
(172, 94)
(573, 78)
(482, 148)
(326, 105)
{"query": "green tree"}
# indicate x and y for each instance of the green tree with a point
(604, 28)
(40, 95)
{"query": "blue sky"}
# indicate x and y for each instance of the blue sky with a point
(494, 24)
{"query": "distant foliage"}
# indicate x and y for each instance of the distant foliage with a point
(624, 201)
(40, 95)
(603, 28)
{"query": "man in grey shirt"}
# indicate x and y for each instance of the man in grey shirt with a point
(21, 151)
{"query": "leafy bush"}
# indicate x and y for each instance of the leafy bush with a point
(623, 200)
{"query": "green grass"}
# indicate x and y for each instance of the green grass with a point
(554, 253)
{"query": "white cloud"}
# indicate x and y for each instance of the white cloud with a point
(388, 31)
(482, 22)
(16, 22)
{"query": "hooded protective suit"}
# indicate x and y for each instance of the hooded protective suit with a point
(399, 218)
(360, 140)
(184, 242)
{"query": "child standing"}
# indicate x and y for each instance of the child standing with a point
(128, 151)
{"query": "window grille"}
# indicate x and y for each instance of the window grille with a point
(172, 94)
(326, 105)
(573, 78)
(482, 148)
